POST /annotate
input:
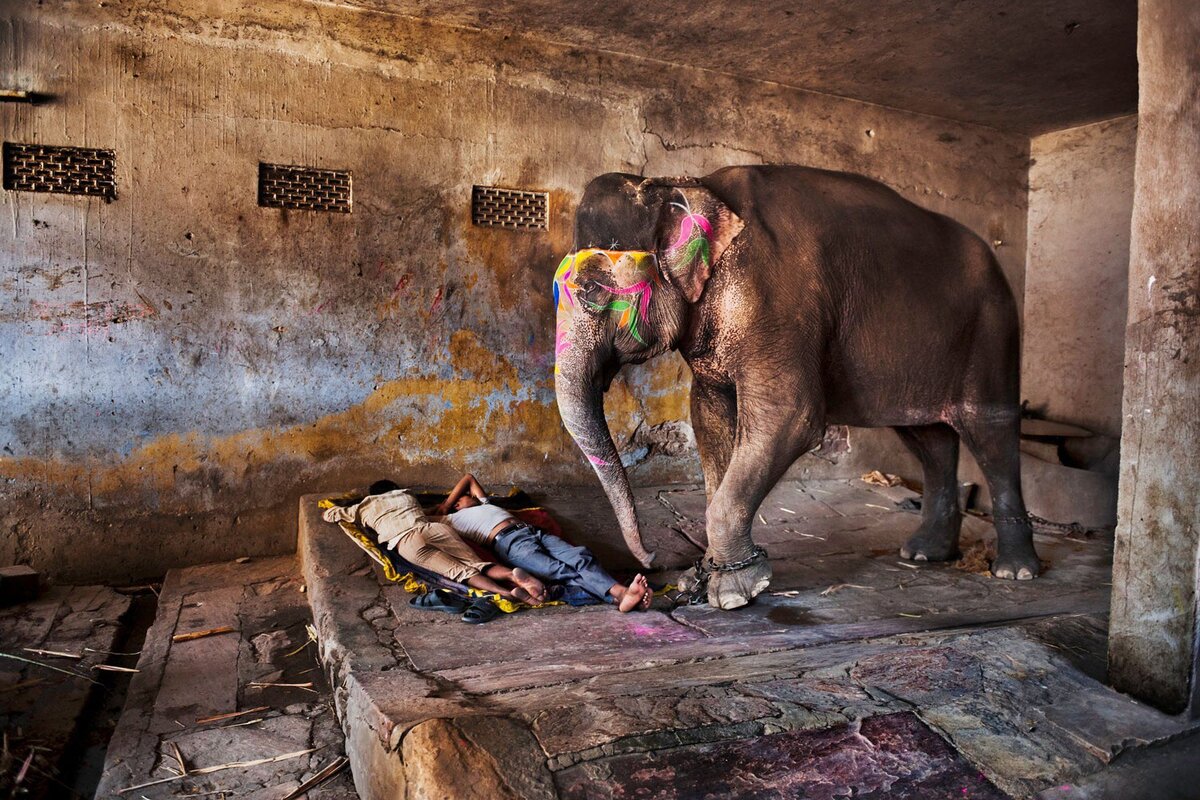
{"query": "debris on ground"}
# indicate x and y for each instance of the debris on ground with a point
(878, 478)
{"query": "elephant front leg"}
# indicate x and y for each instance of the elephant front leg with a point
(737, 569)
(714, 421)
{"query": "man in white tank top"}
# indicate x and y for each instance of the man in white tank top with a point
(400, 524)
(533, 550)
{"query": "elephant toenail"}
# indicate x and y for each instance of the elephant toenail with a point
(1006, 574)
(1024, 574)
(905, 552)
(920, 557)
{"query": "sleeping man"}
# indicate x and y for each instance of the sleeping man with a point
(401, 525)
(542, 554)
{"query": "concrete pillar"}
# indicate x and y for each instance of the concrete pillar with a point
(1153, 642)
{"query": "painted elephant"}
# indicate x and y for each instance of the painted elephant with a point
(799, 298)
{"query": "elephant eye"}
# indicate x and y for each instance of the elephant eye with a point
(589, 292)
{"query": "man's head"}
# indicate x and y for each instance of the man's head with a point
(382, 487)
(466, 501)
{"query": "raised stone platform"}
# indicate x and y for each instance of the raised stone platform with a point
(979, 686)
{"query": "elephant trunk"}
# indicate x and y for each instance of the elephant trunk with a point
(581, 406)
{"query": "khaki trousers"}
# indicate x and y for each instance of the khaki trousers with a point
(436, 547)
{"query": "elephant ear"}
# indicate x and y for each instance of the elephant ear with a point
(694, 230)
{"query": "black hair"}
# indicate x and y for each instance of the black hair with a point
(382, 487)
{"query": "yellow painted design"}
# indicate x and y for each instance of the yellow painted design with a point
(392, 425)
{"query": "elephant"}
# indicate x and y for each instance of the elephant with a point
(799, 298)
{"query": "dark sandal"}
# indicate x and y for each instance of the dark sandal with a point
(480, 611)
(439, 600)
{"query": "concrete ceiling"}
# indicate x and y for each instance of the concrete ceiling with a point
(1017, 65)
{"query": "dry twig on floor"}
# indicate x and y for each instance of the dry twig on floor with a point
(312, 637)
(231, 715)
(218, 767)
(239, 724)
(837, 587)
(113, 668)
(187, 637)
(268, 685)
(111, 652)
(183, 770)
(333, 768)
(49, 666)
(51, 653)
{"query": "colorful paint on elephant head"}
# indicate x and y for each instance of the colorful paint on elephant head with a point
(693, 241)
(634, 273)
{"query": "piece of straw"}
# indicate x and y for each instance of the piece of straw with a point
(54, 653)
(331, 769)
(231, 715)
(187, 637)
(218, 767)
(113, 668)
(48, 666)
(264, 685)
(179, 757)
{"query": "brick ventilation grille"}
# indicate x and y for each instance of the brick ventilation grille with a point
(510, 208)
(62, 170)
(303, 188)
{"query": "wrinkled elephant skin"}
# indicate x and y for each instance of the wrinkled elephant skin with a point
(800, 298)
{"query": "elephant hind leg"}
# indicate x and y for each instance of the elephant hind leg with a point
(994, 440)
(941, 518)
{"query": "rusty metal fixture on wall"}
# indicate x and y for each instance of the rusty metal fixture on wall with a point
(516, 209)
(60, 170)
(304, 188)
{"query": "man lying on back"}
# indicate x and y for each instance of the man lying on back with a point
(541, 554)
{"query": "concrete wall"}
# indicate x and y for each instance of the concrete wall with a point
(180, 364)
(1080, 204)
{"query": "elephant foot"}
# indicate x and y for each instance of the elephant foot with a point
(733, 589)
(925, 545)
(1017, 562)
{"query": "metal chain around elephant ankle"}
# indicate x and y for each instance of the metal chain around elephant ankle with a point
(758, 554)
(1013, 519)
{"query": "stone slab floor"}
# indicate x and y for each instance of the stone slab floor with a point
(53, 650)
(856, 674)
(249, 690)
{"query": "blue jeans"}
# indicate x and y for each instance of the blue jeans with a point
(551, 559)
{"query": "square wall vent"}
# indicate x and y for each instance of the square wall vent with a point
(494, 207)
(304, 188)
(60, 170)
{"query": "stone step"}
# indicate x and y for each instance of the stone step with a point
(228, 697)
(566, 703)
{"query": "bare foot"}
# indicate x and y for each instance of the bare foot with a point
(648, 597)
(636, 596)
(531, 585)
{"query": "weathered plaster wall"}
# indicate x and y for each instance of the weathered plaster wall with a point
(180, 364)
(1080, 203)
